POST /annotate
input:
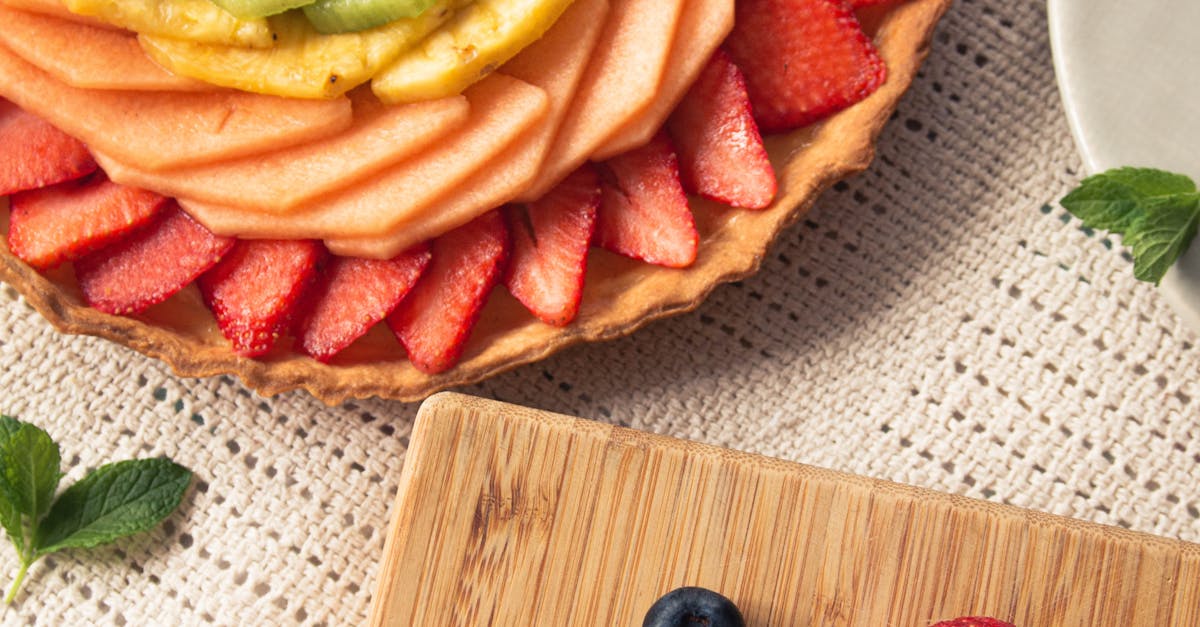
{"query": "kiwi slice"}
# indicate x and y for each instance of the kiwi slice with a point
(346, 16)
(251, 9)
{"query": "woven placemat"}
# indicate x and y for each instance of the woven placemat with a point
(938, 320)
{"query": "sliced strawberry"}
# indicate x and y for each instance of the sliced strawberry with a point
(254, 290)
(803, 59)
(973, 621)
(64, 222)
(353, 296)
(34, 154)
(721, 154)
(550, 240)
(858, 4)
(151, 264)
(434, 321)
(644, 211)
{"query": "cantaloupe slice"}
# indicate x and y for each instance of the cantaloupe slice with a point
(502, 108)
(157, 130)
(503, 178)
(86, 56)
(54, 8)
(555, 63)
(620, 83)
(703, 25)
(282, 180)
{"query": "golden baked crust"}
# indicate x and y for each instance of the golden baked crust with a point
(620, 294)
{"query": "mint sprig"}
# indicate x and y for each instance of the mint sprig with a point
(111, 502)
(1156, 213)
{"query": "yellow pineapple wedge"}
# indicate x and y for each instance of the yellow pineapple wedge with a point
(198, 21)
(476, 41)
(303, 63)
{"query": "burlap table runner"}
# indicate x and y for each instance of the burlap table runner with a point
(938, 320)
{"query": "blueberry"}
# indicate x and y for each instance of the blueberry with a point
(682, 607)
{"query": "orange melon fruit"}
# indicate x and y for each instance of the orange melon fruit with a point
(502, 108)
(619, 83)
(281, 181)
(703, 25)
(158, 130)
(55, 8)
(555, 63)
(82, 55)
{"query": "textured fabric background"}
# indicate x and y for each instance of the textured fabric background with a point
(937, 321)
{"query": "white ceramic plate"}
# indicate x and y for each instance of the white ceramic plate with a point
(1129, 72)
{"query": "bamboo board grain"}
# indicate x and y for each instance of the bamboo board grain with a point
(511, 516)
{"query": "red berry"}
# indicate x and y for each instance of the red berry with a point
(550, 240)
(254, 290)
(644, 211)
(434, 321)
(151, 264)
(803, 59)
(721, 153)
(353, 295)
(64, 222)
(973, 621)
(35, 153)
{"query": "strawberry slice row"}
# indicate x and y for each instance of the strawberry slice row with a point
(720, 147)
(64, 222)
(644, 211)
(550, 240)
(151, 264)
(355, 294)
(803, 59)
(435, 320)
(36, 154)
(253, 291)
(133, 249)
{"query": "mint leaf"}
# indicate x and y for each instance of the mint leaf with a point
(10, 519)
(1161, 237)
(30, 466)
(1156, 212)
(29, 476)
(10, 514)
(8, 426)
(114, 501)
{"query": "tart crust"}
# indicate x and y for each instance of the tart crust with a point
(620, 295)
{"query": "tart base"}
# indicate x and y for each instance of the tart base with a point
(620, 296)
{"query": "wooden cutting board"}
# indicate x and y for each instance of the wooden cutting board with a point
(511, 516)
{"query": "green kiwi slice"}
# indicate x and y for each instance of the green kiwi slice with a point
(344, 16)
(252, 9)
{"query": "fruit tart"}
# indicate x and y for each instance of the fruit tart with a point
(364, 198)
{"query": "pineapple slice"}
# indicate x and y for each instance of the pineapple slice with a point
(303, 63)
(476, 41)
(186, 20)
